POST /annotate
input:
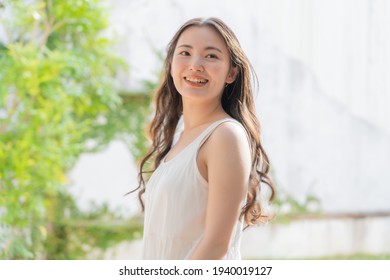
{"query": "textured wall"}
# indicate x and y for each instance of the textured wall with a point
(324, 86)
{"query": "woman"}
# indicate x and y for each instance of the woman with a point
(206, 181)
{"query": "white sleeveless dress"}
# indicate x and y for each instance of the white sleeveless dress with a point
(175, 206)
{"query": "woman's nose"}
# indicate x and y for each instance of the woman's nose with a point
(196, 64)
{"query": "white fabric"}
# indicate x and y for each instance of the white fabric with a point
(175, 206)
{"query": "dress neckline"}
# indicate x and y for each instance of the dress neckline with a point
(192, 142)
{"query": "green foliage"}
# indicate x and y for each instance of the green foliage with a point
(126, 123)
(289, 208)
(57, 84)
(75, 233)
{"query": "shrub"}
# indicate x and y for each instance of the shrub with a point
(57, 84)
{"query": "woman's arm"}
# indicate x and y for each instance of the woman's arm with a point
(228, 162)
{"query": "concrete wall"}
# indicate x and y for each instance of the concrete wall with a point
(324, 89)
(301, 239)
(318, 238)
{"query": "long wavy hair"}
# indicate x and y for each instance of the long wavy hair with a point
(237, 101)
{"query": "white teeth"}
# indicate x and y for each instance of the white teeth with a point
(195, 80)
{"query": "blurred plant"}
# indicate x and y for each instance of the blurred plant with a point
(289, 208)
(126, 123)
(75, 233)
(57, 94)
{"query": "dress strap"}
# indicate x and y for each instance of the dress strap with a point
(206, 134)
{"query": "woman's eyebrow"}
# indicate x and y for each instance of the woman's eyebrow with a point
(206, 48)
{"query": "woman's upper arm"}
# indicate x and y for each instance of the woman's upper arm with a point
(228, 163)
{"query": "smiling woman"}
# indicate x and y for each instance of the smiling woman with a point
(206, 181)
(201, 68)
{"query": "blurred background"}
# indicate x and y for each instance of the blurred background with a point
(76, 81)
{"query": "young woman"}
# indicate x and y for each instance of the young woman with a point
(205, 183)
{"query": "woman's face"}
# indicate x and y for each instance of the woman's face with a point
(201, 64)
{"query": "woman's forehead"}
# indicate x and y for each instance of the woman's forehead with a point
(202, 36)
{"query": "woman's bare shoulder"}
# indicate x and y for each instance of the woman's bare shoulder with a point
(228, 156)
(230, 132)
(229, 136)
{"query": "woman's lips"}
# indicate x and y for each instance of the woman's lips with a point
(195, 81)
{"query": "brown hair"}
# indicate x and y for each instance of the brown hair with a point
(237, 101)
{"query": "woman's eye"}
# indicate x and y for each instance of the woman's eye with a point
(184, 53)
(211, 56)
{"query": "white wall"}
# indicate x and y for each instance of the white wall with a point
(305, 239)
(324, 86)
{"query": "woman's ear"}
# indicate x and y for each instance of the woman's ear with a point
(232, 75)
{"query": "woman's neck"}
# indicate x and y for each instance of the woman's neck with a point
(196, 114)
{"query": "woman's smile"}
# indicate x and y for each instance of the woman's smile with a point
(201, 64)
(195, 81)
